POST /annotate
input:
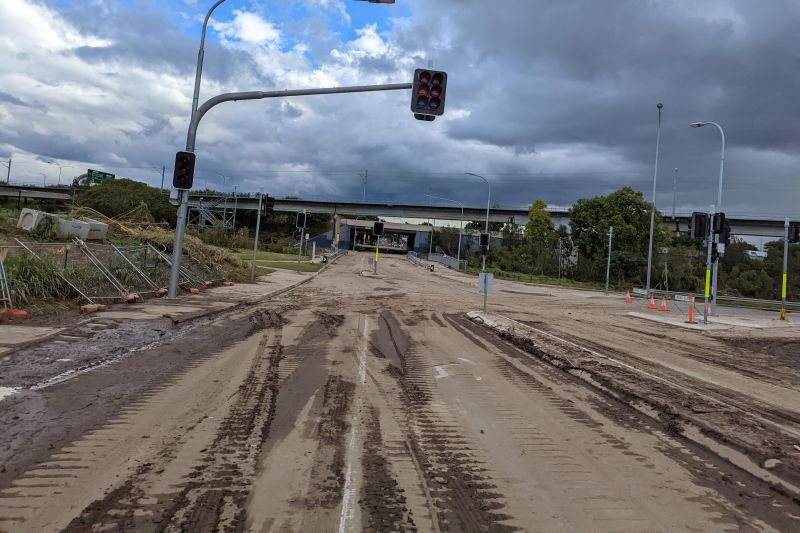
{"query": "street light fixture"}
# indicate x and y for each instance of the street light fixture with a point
(718, 209)
(60, 168)
(461, 228)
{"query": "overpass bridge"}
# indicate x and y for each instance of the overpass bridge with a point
(741, 225)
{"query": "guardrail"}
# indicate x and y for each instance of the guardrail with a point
(721, 298)
(331, 257)
(414, 259)
(449, 262)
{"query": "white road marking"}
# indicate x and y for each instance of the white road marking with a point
(466, 360)
(348, 493)
(348, 480)
(5, 392)
(441, 372)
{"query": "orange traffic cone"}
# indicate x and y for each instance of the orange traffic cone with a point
(652, 301)
(663, 304)
(628, 297)
(691, 309)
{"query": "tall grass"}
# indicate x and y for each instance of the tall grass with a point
(34, 280)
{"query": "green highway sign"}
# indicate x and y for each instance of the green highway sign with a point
(96, 177)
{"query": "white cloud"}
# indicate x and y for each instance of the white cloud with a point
(248, 28)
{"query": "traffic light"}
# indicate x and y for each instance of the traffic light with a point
(719, 222)
(698, 229)
(725, 235)
(183, 175)
(377, 229)
(301, 221)
(794, 232)
(428, 93)
(267, 205)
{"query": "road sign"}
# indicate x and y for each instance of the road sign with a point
(485, 282)
(95, 177)
(683, 298)
(641, 292)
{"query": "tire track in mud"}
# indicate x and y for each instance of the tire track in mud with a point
(213, 497)
(652, 406)
(459, 488)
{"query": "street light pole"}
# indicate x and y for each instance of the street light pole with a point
(488, 202)
(718, 204)
(608, 264)
(199, 111)
(674, 194)
(461, 228)
(659, 106)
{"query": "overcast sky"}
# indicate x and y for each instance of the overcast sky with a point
(547, 99)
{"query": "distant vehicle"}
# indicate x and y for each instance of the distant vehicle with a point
(755, 254)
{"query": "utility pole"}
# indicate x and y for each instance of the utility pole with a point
(235, 204)
(302, 234)
(608, 264)
(255, 244)
(364, 180)
(163, 171)
(8, 175)
(785, 267)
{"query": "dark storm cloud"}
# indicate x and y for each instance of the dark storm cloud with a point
(552, 100)
(11, 99)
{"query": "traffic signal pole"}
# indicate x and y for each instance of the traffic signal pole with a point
(255, 244)
(191, 138)
(709, 239)
(785, 267)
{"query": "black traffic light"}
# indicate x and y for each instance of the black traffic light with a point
(719, 223)
(267, 205)
(428, 93)
(183, 174)
(794, 232)
(377, 229)
(698, 229)
(725, 234)
(484, 239)
(301, 221)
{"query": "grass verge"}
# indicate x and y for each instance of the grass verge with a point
(287, 265)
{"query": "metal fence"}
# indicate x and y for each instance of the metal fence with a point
(413, 258)
(109, 272)
(449, 262)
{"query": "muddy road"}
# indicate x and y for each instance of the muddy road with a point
(362, 402)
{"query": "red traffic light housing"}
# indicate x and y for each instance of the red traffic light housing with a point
(183, 173)
(428, 93)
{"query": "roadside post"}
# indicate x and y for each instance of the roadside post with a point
(485, 282)
(608, 264)
(785, 267)
(255, 244)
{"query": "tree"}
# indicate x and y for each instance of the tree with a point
(628, 212)
(481, 224)
(539, 229)
(116, 197)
